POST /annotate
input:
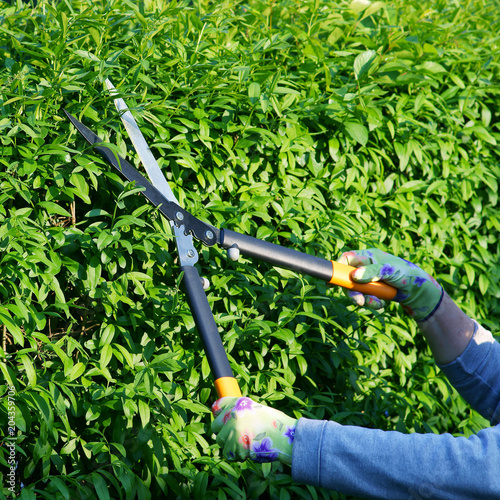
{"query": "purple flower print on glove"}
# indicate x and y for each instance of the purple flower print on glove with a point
(264, 451)
(243, 404)
(289, 434)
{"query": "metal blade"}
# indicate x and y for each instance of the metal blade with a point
(181, 219)
(141, 146)
(187, 252)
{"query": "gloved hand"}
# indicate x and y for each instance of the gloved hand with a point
(418, 292)
(246, 429)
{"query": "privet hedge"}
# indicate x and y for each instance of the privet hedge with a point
(323, 126)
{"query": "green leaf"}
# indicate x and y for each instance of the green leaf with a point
(29, 369)
(107, 335)
(6, 319)
(363, 62)
(76, 371)
(333, 148)
(100, 486)
(54, 208)
(104, 239)
(373, 7)
(66, 360)
(432, 67)
(144, 413)
(470, 273)
(125, 353)
(106, 355)
(301, 361)
(60, 486)
(483, 134)
(6, 373)
(27, 493)
(484, 283)
(254, 92)
(87, 55)
(200, 485)
(94, 270)
(97, 212)
(411, 186)
(82, 188)
(358, 132)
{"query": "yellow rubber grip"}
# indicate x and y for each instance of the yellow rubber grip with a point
(227, 386)
(341, 275)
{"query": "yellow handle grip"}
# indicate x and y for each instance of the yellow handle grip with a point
(342, 276)
(227, 386)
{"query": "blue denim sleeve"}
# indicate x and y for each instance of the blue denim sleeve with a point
(475, 374)
(388, 465)
(371, 463)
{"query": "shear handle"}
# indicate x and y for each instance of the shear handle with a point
(225, 382)
(327, 270)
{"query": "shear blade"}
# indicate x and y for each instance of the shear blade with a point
(203, 232)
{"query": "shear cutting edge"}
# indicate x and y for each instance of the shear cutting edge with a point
(188, 255)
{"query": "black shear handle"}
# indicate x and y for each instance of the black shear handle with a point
(330, 271)
(225, 382)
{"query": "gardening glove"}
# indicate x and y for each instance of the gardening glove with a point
(418, 292)
(246, 429)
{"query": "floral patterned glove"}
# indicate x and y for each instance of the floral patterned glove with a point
(246, 429)
(418, 292)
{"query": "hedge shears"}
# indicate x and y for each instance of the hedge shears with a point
(187, 227)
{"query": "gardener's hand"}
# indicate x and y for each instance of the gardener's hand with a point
(418, 292)
(246, 429)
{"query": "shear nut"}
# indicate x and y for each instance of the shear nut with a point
(233, 253)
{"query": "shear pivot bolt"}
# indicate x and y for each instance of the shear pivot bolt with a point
(190, 253)
(209, 235)
(179, 215)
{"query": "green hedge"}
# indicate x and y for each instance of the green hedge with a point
(323, 126)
